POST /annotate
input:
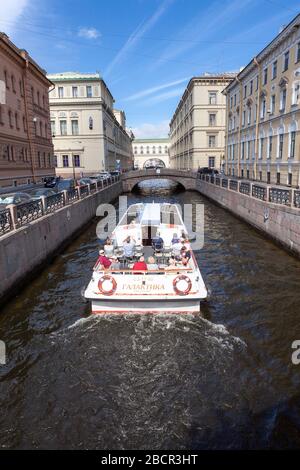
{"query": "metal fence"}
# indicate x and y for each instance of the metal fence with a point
(276, 195)
(16, 216)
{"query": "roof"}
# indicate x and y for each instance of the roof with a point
(159, 139)
(71, 76)
(295, 23)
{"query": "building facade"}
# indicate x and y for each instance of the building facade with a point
(197, 128)
(151, 153)
(26, 151)
(262, 132)
(88, 134)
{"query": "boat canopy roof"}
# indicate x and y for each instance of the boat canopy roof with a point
(151, 214)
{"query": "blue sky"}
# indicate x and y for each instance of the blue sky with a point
(146, 50)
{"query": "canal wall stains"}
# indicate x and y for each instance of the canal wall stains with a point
(30, 247)
(279, 222)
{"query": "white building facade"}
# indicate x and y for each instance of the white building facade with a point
(88, 135)
(197, 128)
(149, 153)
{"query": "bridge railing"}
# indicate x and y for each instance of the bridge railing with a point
(16, 216)
(289, 197)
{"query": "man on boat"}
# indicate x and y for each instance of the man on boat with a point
(103, 260)
(152, 265)
(129, 246)
(157, 242)
(140, 265)
(115, 264)
(175, 239)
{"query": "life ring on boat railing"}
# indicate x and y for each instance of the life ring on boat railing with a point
(102, 285)
(182, 278)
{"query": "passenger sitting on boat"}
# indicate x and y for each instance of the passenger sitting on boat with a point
(115, 264)
(140, 265)
(103, 260)
(176, 249)
(128, 246)
(157, 242)
(109, 248)
(151, 265)
(184, 235)
(185, 260)
(175, 239)
(185, 252)
(171, 265)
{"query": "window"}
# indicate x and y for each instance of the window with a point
(41, 128)
(142, 149)
(245, 91)
(263, 109)
(89, 91)
(290, 179)
(153, 149)
(286, 61)
(265, 76)
(76, 159)
(5, 79)
(211, 141)
(248, 175)
(159, 149)
(248, 149)
(75, 91)
(17, 121)
(60, 92)
(282, 99)
(24, 124)
(292, 144)
(268, 177)
(39, 159)
(251, 87)
(298, 52)
(63, 127)
(52, 128)
(65, 160)
(38, 98)
(234, 100)
(274, 70)
(280, 149)
(249, 116)
(55, 160)
(135, 149)
(75, 129)
(147, 149)
(212, 119)
(296, 93)
(257, 83)
(243, 151)
(270, 146)
(260, 175)
(243, 118)
(212, 97)
(13, 83)
(261, 150)
(10, 118)
(91, 124)
(278, 178)
(211, 162)
(273, 103)
(242, 173)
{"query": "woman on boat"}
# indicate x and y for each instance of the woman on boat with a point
(171, 265)
(109, 248)
(103, 260)
(151, 265)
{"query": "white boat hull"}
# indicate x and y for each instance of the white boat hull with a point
(143, 307)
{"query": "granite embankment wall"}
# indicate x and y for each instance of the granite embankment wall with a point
(28, 248)
(279, 222)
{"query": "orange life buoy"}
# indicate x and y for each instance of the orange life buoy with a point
(107, 291)
(182, 277)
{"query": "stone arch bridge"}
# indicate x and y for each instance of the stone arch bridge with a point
(186, 178)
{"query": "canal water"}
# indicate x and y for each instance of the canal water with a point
(222, 379)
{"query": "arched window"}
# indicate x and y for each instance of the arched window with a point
(142, 149)
(292, 138)
(153, 150)
(91, 123)
(147, 149)
(159, 149)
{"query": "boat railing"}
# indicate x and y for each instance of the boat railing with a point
(176, 270)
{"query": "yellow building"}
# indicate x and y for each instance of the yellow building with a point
(197, 128)
(262, 137)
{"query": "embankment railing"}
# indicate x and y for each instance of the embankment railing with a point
(289, 197)
(16, 216)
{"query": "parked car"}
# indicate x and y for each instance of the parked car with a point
(51, 181)
(13, 198)
(207, 171)
(64, 185)
(84, 181)
(38, 193)
(115, 173)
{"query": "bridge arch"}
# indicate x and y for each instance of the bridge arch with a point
(154, 162)
(187, 179)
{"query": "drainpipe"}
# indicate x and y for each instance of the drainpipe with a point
(226, 136)
(240, 126)
(257, 116)
(28, 122)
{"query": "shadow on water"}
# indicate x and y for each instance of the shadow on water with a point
(221, 380)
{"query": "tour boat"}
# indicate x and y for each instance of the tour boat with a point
(165, 289)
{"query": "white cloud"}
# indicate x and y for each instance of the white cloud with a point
(137, 35)
(10, 12)
(164, 96)
(89, 33)
(151, 131)
(149, 91)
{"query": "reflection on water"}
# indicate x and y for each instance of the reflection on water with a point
(220, 380)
